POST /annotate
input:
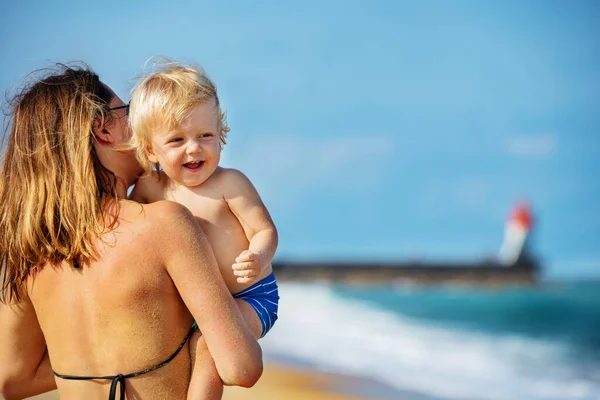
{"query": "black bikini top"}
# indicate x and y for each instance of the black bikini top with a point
(120, 379)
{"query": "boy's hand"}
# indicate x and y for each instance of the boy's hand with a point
(248, 266)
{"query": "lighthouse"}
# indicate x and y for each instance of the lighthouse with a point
(516, 232)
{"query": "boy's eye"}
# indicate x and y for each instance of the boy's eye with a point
(174, 140)
(206, 135)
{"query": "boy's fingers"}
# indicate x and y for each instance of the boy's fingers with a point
(246, 255)
(242, 265)
(246, 273)
(245, 279)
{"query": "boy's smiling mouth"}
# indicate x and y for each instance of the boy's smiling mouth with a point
(194, 165)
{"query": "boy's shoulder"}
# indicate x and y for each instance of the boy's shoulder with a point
(231, 180)
(230, 175)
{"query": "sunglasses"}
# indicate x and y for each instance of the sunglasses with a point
(126, 107)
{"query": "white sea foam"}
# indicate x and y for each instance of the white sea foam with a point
(353, 337)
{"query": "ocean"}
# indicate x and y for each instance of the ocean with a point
(540, 343)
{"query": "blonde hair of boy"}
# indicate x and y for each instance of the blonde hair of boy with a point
(53, 187)
(161, 100)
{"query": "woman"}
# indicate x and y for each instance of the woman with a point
(102, 288)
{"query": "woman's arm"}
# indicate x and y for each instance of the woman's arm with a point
(193, 268)
(24, 364)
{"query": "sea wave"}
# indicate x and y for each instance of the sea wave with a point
(331, 331)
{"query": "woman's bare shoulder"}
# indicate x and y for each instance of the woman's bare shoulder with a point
(162, 218)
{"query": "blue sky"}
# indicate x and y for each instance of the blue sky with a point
(374, 130)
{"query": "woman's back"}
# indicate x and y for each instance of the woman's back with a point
(118, 315)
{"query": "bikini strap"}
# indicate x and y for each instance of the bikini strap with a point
(120, 379)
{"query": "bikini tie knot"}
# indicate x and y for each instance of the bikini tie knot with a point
(117, 380)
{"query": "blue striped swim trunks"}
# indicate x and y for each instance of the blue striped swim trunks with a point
(263, 296)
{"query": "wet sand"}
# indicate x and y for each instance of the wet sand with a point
(294, 383)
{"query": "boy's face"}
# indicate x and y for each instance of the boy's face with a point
(189, 154)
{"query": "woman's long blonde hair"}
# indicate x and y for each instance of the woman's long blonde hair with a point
(53, 187)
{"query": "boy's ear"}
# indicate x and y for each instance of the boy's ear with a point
(151, 156)
(101, 132)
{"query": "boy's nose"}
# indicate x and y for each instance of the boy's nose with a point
(194, 147)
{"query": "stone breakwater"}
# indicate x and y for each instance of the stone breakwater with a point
(488, 273)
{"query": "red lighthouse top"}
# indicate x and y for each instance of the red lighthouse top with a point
(521, 214)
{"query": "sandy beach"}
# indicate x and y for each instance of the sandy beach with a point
(292, 383)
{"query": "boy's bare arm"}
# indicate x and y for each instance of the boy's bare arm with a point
(245, 202)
